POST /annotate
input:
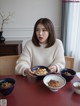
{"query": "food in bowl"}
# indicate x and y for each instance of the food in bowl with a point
(54, 83)
(78, 87)
(40, 71)
(6, 85)
(67, 73)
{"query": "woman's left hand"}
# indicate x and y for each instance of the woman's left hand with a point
(53, 68)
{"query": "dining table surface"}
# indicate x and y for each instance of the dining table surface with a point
(27, 93)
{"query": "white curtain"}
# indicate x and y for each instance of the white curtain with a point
(72, 29)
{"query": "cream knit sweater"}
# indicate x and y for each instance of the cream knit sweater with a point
(32, 56)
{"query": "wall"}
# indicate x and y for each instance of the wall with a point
(26, 13)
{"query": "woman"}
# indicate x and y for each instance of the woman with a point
(44, 49)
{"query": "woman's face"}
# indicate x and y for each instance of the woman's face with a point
(42, 34)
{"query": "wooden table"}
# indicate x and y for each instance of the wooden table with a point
(37, 94)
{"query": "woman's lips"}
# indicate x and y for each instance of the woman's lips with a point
(40, 38)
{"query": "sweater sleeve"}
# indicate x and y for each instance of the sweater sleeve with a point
(59, 59)
(24, 61)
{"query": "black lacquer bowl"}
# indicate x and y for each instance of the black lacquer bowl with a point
(6, 86)
(40, 76)
(68, 74)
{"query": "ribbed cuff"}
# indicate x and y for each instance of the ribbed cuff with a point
(23, 73)
(58, 68)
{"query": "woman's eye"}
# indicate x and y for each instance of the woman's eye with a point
(40, 30)
(37, 30)
(44, 30)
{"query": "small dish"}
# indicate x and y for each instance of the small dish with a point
(76, 87)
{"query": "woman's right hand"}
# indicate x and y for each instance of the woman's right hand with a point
(27, 71)
(30, 76)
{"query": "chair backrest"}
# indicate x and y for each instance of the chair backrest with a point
(69, 62)
(7, 64)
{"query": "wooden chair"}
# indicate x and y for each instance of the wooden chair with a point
(7, 64)
(69, 62)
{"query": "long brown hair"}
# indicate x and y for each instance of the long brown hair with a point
(49, 27)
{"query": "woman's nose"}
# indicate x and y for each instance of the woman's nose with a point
(40, 32)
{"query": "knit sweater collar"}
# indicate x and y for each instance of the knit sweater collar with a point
(42, 45)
